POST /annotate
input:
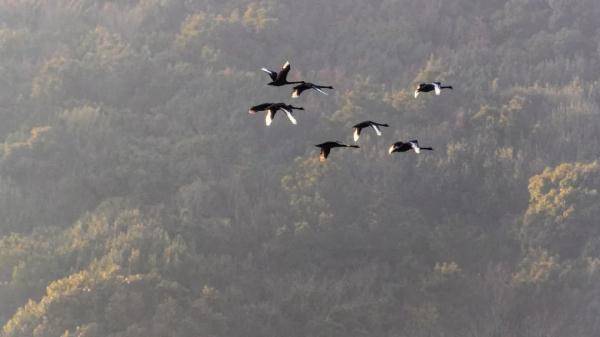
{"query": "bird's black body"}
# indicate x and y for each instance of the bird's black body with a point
(428, 87)
(260, 107)
(280, 78)
(272, 109)
(358, 128)
(407, 146)
(327, 146)
(297, 91)
(282, 106)
(425, 87)
(401, 147)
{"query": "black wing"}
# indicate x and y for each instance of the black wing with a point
(282, 76)
(324, 153)
(271, 73)
(297, 90)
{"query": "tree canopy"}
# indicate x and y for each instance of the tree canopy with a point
(138, 198)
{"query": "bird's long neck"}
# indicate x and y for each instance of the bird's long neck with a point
(298, 82)
(324, 86)
(427, 148)
(446, 87)
(354, 146)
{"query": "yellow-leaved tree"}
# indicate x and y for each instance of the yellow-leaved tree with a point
(564, 209)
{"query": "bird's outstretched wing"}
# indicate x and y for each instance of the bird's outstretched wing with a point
(297, 90)
(284, 71)
(415, 146)
(357, 133)
(376, 128)
(269, 117)
(290, 116)
(271, 73)
(321, 91)
(324, 154)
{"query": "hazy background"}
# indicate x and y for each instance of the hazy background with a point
(139, 199)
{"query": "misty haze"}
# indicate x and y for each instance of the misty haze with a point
(147, 189)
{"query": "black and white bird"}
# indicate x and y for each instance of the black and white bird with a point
(407, 146)
(297, 91)
(272, 109)
(327, 146)
(280, 78)
(433, 86)
(358, 128)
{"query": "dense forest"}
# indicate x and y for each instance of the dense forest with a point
(138, 198)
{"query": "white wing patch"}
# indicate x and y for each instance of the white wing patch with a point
(415, 147)
(321, 91)
(356, 135)
(438, 90)
(269, 117)
(416, 93)
(267, 71)
(376, 129)
(295, 93)
(289, 116)
(392, 148)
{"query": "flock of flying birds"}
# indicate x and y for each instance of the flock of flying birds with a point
(280, 79)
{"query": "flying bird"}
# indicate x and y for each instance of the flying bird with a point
(327, 146)
(280, 78)
(306, 86)
(272, 109)
(434, 86)
(358, 128)
(407, 146)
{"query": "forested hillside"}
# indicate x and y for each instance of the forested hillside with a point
(138, 198)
